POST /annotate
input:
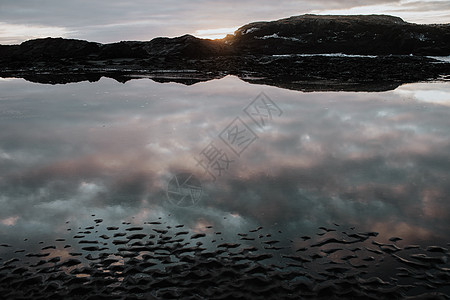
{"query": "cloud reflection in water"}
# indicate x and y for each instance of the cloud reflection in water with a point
(377, 160)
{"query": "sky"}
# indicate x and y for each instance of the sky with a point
(108, 21)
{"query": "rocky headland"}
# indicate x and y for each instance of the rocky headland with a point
(308, 52)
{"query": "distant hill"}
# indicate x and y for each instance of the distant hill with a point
(359, 34)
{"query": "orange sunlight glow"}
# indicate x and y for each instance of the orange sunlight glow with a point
(213, 34)
(11, 221)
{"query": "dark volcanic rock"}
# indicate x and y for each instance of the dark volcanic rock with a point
(296, 72)
(50, 49)
(186, 46)
(368, 34)
(123, 49)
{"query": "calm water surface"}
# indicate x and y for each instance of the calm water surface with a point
(376, 161)
(380, 161)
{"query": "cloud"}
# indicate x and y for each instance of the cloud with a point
(422, 12)
(216, 33)
(15, 34)
(425, 94)
(10, 221)
(106, 21)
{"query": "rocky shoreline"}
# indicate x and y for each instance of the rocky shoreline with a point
(305, 73)
(365, 53)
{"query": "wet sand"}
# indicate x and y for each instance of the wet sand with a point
(156, 261)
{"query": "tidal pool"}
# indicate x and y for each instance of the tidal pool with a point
(226, 156)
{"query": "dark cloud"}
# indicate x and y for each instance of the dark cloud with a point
(421, 6)
(87, 13)
(106, 21)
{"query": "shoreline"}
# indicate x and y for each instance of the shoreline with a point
(321, 72)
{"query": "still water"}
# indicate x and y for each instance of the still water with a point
(256, 155)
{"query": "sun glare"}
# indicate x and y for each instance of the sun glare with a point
(213, 34)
